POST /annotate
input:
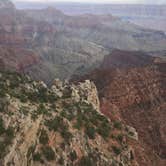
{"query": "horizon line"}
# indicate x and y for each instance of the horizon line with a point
(96, 3)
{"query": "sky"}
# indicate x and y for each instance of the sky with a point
(104, 1)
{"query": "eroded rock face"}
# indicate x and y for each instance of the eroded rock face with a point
(40, 127)
(86, 91)
(135, 93)
(67, 45)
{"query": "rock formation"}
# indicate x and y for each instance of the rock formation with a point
(132, 88)
(39, 127)
(63, 45)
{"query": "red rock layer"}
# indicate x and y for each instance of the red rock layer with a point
(132, 88)
(17, 59)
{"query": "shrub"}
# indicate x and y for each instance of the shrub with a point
(86, 161)
(23, 98)
(2, 92)
(79, 122)
(120, 138)
(61, 161)
(15, 82)
(51, 97)
(10, 132)
(67, 92)
(24, 110)
(118, 125)
(104, 130)
(37, 157)
(66, 135)
(43, 139)
(42, 94)
(67, 114)
(131, 133)
(48, 153)
(116, 150)
(2, 129)
(90, 131)
(8, 136)
(41, 109)
(3, 105)
(55, 123)
(2, 149)
(34, 116)
(73, 155)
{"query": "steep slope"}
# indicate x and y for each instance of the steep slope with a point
(148, 16)
(132, 88)
(58, 126)
(57, 52)
(105, 30)
(16, 52)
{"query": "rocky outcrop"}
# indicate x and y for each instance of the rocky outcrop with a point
(132, 88)
(38, 126)
(86, 92)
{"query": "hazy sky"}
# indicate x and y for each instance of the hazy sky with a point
(105, 1)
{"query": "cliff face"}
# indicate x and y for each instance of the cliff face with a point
(63, 45)
(135, 93)
(148, 16)
(58, 126)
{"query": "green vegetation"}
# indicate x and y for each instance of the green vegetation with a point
(11, 82)
(118, 125)
(92, 121)
(67, 136)
(73, 155)
(43, 139)
(120, 138)
(67, 92)
(131, 133)
(81, 115)
(41, 109)
(48, 153)
(86, 161)
(7, 135)
(90, 131)
(2, 129)
(57, 124)
(37, 157)
(24, 110)
(2, 90)
(116, 150)
(42, 95)
(104, 130)
(67, 114)
(3, 105)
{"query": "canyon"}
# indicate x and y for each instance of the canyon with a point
(59, 45)
(81, 89)
(132, 88)
(145, 15)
